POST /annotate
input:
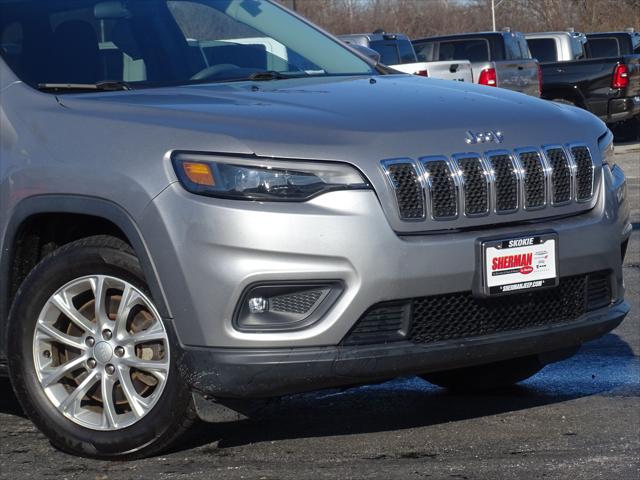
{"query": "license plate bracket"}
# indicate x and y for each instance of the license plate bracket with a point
(519, 264)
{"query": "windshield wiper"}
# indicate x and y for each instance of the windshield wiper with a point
(104, 86)
(272, 75)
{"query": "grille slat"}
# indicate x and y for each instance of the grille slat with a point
(534, 180)
(409, 193)
(506, 183)
(444, 196)
(560, 176)
(584, 173)
(475, 186)
(461, 315)
(497, 182)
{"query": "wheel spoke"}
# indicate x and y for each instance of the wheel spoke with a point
(130, 298)
(109, 409)
(65, 306)
(52, 375)
(57, 336)
(70, 403)
(99, 287)
(157, 368)
(152, 334)
(138, 404)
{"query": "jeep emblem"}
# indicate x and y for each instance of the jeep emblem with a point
(474, 138)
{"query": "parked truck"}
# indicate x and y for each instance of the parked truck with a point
(498, 59)
(199, 234)
(396, 51)
(608, 87)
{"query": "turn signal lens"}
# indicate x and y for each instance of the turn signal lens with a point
(488, 77)
(267, 180)
(199, 173)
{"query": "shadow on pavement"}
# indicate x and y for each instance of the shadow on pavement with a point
(606, 366)
(603, 367)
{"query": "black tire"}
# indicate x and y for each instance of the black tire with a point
(491, 376)
(160, 427)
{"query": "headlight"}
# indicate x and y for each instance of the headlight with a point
(264, 180)
(607, 150)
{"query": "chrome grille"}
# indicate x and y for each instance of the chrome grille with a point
(475, 185)
(535, 191)
(409, 192)
(444, 193)
(584, 172)
(498, 182)
(560, 176)
(506, 180)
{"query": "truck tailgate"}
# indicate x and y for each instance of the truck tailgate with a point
(518, 75)
(633, 63)
(458, 70)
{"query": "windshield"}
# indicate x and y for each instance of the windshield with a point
(164, 42)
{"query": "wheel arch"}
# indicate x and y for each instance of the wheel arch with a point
(103, 211)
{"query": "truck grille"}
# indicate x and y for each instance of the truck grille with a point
(501, 182)
(461, 315)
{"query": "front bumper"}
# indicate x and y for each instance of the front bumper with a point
(208, 251)
(621, 109)
(227, 373)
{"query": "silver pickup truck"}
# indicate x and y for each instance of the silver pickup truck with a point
(396, 51)
(498, 59)
(179, 234)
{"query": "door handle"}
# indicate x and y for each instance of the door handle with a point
(520, 67)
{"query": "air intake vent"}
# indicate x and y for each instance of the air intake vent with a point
(444, 193)
(560, 177)
(409, 193)
(584, 173)
(506, 183)
(534, 180)
(476, 186)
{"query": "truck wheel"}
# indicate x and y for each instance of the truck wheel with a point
(486, 377)
(91, 360)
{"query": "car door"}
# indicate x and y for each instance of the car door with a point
(518, 72)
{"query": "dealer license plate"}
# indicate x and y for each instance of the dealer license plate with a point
(520, 264)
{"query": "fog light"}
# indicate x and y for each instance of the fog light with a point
(258, 305)
(284, 307)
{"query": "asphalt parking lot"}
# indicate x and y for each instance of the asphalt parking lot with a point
(578, 419)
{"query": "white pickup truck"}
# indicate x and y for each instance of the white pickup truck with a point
(396, 51)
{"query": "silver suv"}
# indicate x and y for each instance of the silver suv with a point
(215, 201)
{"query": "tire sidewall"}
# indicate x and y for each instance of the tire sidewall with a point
(53, 273)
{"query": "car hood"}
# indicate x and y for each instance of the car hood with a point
(340, 118)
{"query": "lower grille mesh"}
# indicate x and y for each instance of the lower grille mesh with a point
(461, 315)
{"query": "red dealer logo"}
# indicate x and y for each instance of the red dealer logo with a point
(523, 261)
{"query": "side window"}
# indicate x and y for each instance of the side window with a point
(474, 50)
(525, 53)
(603, 47)
(543, 49)
(425, 51)
(407, 54)
(512, 48)
(388, 51)
(577, 49)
